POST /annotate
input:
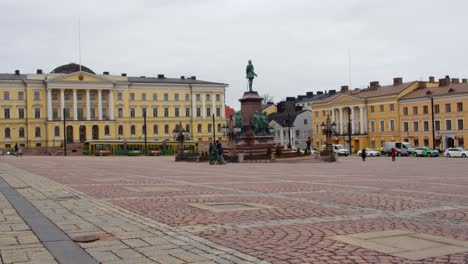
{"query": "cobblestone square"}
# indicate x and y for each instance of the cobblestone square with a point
(154, 210)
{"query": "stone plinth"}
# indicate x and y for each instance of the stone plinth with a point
(251, 102)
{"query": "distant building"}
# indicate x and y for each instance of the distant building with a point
(229, 111)
(105, 106)
(269, 108)
(294, 128)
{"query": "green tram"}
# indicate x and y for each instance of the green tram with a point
(135, 147)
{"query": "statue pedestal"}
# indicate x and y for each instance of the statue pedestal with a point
(251, 102)
(253, 147)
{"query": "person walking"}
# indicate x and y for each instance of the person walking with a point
(20, 152)
(363, 154)
(16, 147)
(213, 154)
(308, 142)
(393, 154)
(219, 147)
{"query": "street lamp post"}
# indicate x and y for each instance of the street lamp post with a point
(214, 129)
(328, 130)
(64, 134)
(144, 131)
(433, 128)
(231, 131)
(180, 135)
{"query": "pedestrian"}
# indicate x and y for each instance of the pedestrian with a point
(393, 154)
(16, 149)
(20, 152)
(308, 142)
(363, 154)
(213, 154)
(219, 146)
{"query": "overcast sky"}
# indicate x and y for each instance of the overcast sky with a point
(295, 45)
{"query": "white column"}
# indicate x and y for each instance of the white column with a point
(341, 121)
(203, 111)
(111, 106)
(194, 107)
(366, 129)
(88, 106)
(49, 104)
(361, 119)
(352, 119)
(213, 101)
(223, 112)
(62, 102)
(333, 115)
(75, 106)
(99, 104)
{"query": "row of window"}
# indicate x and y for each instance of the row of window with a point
(425, 128)
(166, 97)
(80, 112)
(92, 96)
(167, 131)
(437, 123)
(176, 112)
(448, 109)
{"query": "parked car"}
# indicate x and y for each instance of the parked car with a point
(369, 152)
(340, 150)
(425, 152)
(456, 152)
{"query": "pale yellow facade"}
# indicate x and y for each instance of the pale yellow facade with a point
(106, 107)
(377, 115)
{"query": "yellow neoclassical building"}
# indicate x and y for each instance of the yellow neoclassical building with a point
(396, 112)
(104, 106)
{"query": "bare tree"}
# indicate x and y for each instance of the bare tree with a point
(267, 98)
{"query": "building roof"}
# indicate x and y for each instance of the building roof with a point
(71, 68)
(459, 88)
(169, 80)
(11, 76)
(380, 91)
(282, 118)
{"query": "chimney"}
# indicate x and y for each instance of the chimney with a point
(105, 73)
(397, 81)
(193, 77)
(310, 94)
(319, 93)
(422, 85)
(443, 82)
(124, 75)
(332, 92)
(289, 99)
(38, 71)
(182, 77)
(17, 72)
(300, 97)
(270, 103)
(464, 80)
(374, 85)
(160, 76)
(455, 80)
(447, 80)
(344, 88)
(431, 79)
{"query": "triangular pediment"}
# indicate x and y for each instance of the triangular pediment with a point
(345, 98)
(80, 77)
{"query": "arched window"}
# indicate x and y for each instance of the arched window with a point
(21, 132)
(7, 132)
(199, 129)
(219, 128)
(56, 131)
(155, 129)
(209, 128)
(132, 130)
(120, 130)
(187, 128)
(38, 132)
(106, 130)
(166, 129)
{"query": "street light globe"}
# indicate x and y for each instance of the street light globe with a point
(324, 127)
(333, 126)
